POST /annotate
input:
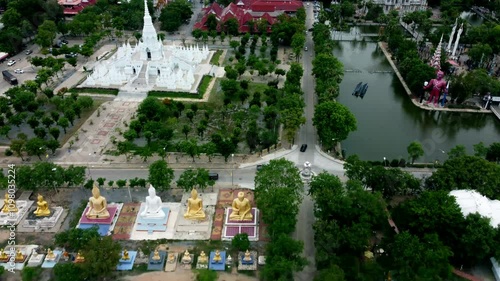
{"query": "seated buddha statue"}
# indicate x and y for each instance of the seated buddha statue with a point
(186, 258)
(194, 207)
(153, 206)
(202, 258)
(156, 256)
(171, 258)
(79, 257)
(42, 209)
(248, 257)
(3, 255)
(9, 204)
(241, 208)
(19, 255)
(50, 255)
(125, 255)
(217, 257)
(97, 205)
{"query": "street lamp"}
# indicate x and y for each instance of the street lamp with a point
(384, 161)
(88, 165)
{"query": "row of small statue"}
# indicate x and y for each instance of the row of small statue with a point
(50, 256)
(42, 209)
(203, 259)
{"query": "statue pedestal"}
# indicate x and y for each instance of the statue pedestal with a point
(247, 265)
(154, 229)
(33, 223)
(186, 229)
(11, 252)
(217, 266)
(171, 265)
(152, 224)
(105, 226)
(157, 265)
(15, 218)
(52, 263)
(187, 265)
(202, 265)
(35, 261)
(232, 227)
(127, 264)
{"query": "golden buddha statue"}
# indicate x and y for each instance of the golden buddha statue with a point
(241, 208)
(50, 255)
(79, 257)
(125, 255)
(171, 258)
(186, 258)
(248, 256)
(19, 255)
(217, 257)
(66, 255)
(42, 209)
(3, 255)
(156, 255)
(9, 204)
(194, 207)
(202, 258)
(97, 205)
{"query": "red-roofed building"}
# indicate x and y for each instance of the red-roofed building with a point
(246, 11)
(73, 7)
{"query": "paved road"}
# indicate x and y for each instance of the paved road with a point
(307, 135)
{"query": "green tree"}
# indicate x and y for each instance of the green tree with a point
(493, 152)
(410, 258)
(53, 145)
(160, 175)
(415, 150)
(35, 147)
(457, 151)
(467, 172)
(283, 258)
(480, 150)
(276, 180)
(46, 34)
(31, 273)
(55, 132)
(333, 273)
(68, 271)
(195, 179)
(75, 239)
(240, 242)
(209, 149)
(18, 147)
(64, 123)
(477, 241)
(175, 14)
(298, 41)
(185, 130)
(101, 257)
(334, 122)
(190, 147)
(206, 275)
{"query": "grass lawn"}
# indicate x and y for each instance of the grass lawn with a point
(216, 57)
(101, 91)
(202, 88)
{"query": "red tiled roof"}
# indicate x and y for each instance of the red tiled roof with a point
(243, 12)
(74, 10)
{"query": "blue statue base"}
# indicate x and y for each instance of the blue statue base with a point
(127, 264)
(157, 265)
(152, 225)
(219, 266)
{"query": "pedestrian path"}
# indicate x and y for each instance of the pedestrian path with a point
(126, 221)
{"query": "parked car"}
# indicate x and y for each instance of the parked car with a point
(18, 71)
(259, 167)
(213, 176)
(11, 63)
(303, 147)
(28, 52)
(305, 49)
(71, 55)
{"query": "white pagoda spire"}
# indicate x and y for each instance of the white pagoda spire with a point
(150, 47)
(448, 48)
(436, 59)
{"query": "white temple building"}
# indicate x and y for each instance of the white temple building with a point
(150, 64)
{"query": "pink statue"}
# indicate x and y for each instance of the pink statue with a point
(438, 85)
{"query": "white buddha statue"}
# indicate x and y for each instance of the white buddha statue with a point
(153, 204)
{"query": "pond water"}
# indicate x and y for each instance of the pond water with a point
(388, 121)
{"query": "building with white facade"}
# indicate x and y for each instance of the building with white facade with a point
(402, 6)
(151, 65)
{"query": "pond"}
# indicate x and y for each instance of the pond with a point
(388, 121)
